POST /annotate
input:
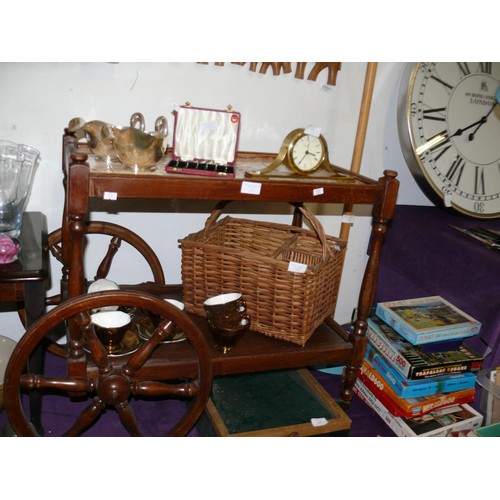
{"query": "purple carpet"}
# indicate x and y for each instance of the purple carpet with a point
(155, 417)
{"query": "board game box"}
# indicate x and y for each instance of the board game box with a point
(427, 319)
(409, 407)
(439, 423)
(405, 388)
(412, 361)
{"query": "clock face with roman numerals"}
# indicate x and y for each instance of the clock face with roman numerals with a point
(449, 129)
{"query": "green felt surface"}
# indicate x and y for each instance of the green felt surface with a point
(266, 400)
(492, 430)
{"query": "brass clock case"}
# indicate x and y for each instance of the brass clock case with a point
(303, 153)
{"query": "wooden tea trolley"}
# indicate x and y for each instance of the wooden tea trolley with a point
(182, 369)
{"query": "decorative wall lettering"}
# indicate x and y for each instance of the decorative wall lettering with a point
(279, 68)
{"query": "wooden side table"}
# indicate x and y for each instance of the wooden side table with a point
(25, 281)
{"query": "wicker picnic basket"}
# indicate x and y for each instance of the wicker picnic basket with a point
(288, 275)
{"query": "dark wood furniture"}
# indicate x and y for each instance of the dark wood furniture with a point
(86, 179)
(24, 283)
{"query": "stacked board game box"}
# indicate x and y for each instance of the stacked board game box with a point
(438, 423)
(427, 319)
(418, 364)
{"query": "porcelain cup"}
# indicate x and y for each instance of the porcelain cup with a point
(102, 285)
(175, 331)
(227, 318)
(110, 328)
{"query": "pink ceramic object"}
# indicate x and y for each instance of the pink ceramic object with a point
(8, 250)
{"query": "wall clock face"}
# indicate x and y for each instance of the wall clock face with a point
(449, 129)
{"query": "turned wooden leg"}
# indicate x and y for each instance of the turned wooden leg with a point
(381, 218)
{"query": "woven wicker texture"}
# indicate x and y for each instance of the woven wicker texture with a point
(252, 257)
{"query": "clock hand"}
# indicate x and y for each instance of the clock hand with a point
(305, 154)
(444, 137)
(303, 158)
(483, 121)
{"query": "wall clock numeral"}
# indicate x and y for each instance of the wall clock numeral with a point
(485, 67)
(447, 85)
(455, 172)
(479, 181)
(435, 114)
(464, 68)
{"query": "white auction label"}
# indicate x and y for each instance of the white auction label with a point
(297, 267)
(318, 422)
(318, 191)
(208, 126)
(313, 130)
(109, 195)
(250, 187)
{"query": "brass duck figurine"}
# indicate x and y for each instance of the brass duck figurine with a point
(134, 147)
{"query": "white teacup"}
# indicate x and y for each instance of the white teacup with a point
(227, 318)
(223, 298)
(102, 285)
(176, 333)
(176, 303)
(110, 328)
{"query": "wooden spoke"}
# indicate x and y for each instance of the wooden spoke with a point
(153, 388)
(117, 235)
(32, 381)
(86, 418)
(127, 418)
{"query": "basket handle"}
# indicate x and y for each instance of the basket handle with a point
(318, 229)
(315, 224)
(212, 219)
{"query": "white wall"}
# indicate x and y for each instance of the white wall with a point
(38, 99)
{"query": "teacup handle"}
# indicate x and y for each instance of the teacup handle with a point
(245, 320)
(242, 305)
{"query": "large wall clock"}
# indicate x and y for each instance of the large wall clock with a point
(449, 130)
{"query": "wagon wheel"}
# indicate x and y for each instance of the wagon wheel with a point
(118, 234)
(107, 381)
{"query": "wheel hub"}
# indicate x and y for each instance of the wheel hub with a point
(114, 389)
